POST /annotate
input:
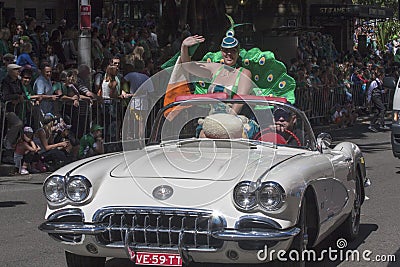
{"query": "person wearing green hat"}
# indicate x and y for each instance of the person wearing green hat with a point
(91, 144)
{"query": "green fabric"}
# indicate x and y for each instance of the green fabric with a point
(202, 87)
(172, 61)
(269, 74)
(59, 86)
(28, 91)
(86, 143)
(3, 47)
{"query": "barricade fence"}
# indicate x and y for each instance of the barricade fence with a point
(107, 113)
(317, 103)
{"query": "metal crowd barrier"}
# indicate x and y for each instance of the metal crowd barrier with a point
(317, 103)
(108, 113)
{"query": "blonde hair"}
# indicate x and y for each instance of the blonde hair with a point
(138, 52)
(48, 128)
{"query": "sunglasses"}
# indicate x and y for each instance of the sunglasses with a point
(26, 77)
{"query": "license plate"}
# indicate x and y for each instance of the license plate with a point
(160, 259)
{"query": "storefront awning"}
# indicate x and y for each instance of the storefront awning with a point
(358, 11)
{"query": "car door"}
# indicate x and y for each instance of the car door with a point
(338, 195)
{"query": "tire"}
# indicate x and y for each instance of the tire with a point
(351, 226)
(74, 260)
(300, 241)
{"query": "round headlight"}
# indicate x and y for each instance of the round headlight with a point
(271, 196)
(244, 195)
(78, 188)
(54, 188)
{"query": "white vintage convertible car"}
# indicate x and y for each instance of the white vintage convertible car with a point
(209, 186)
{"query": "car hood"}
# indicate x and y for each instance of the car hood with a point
(213, 164)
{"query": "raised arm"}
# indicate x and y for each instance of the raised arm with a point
(189, 42)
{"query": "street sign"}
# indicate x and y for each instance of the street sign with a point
(85, 17)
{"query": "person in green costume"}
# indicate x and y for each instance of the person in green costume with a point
(269, 75)
(228, 77)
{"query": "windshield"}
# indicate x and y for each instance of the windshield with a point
(262, 121)
(213, 115)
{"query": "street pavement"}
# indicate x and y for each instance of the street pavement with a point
(22, 208)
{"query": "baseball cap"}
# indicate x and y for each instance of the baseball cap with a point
(48, 117)
(13, 66)
(281, 113)
(96, 127)
(9, 56)
(28, 129)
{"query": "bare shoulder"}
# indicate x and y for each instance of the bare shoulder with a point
(246, 72)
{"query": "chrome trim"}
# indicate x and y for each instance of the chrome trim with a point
(282, 193)
(96, 228)
(66, 212)
(83, 179)
(257, 219)
(258, 186)
(270, 234)
(159, 227)
(66, 200)
(60, 201)
(71, 228)
(249, 184)
(228, 235)
(146, 209)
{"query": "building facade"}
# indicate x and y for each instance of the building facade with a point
(269, 18)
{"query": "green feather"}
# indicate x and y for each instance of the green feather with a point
(231, 22)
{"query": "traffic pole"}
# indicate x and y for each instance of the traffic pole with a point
(84, 40)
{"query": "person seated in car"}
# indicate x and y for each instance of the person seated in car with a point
(285, 125)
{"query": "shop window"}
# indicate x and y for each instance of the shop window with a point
(50, 16)
(31, 12)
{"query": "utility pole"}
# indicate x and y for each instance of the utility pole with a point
(1, 13)
(84, 40)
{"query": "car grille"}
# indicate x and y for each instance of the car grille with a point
(159, 228)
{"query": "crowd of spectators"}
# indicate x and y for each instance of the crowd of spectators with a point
(47, 96)
(39, 70)
(321, 71)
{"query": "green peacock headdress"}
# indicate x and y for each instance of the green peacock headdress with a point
(269, 75)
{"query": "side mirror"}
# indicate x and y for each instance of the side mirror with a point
(324, 140)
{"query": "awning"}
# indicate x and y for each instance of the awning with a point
(357, 11)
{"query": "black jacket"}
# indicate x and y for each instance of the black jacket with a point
(11, 90)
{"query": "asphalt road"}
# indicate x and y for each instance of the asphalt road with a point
(22, 209)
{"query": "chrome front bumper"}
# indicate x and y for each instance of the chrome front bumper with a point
(166, 228)
(226, 235)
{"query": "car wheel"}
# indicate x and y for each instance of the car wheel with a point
(74, 260)
(351, 226)
(299, 243)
